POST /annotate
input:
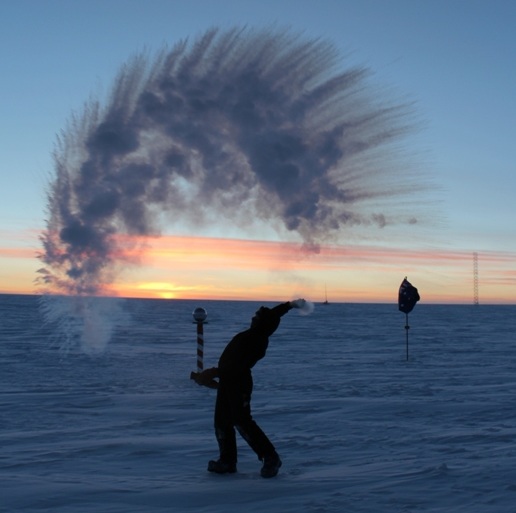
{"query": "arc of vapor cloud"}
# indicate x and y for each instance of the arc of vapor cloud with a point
(247, 124)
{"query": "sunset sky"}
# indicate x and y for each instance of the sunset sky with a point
(454, 59)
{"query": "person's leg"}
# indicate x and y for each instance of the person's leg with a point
(239, 398)
(261, 445)
(254, 436)
(225, 435)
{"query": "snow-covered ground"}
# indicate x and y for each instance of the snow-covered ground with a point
(359, 428)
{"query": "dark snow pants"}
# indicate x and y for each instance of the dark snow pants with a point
(233, 410)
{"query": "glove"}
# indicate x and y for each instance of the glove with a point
(298, 303)
(206, 378)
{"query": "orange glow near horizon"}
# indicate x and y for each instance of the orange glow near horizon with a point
(215, 268)
(183, 267)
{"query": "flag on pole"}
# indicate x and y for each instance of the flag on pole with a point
(408, 296)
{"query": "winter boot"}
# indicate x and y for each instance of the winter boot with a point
(271, 465)
(221, 467)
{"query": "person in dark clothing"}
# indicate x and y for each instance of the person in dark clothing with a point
(234, 389)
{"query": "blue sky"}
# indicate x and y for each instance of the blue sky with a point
(454, 59)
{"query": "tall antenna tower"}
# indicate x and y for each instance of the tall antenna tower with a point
(475, 278)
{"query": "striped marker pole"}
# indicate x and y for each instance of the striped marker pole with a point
(200, 347)
(199, 316)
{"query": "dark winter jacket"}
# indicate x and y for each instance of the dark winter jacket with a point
(249, 346)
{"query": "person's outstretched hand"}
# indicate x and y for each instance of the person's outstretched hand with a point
(298, 303)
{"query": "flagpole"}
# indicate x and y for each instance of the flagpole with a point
(408, 296)
(407, 327)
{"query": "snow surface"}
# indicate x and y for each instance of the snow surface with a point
(359, 428)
